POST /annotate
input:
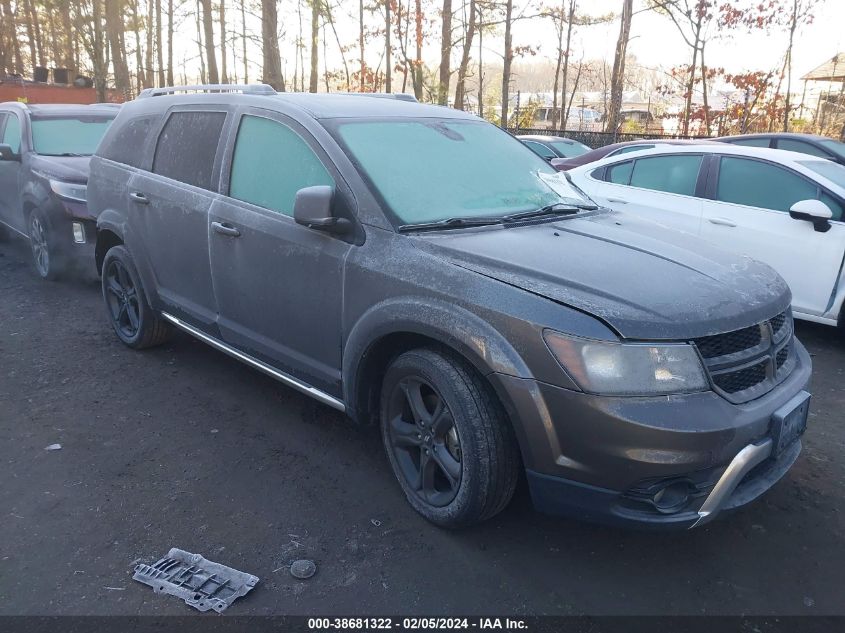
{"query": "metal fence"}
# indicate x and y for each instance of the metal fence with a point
(600, 139)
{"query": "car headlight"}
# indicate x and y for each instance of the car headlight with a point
(69, 190)
(628, 369)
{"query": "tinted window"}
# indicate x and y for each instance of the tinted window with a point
(836, 147)
(758, 184)
(620, 173)
(125, 142)
(630, 148)
(830, 170)
(569, 149)
(792, 145)
(540, 150)
(66, 136)
(271, 163)
(12, 133)
(835, 205)
(672, 174)
(187, 146)
(751, 142)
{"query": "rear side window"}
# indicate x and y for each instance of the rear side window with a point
(125, 142)
(12, 133)
(764, 185)
(187, 146)
(620, 173)
(673, 174)
(630, 148)
(271, 163)
(791, 145)
(752, 142)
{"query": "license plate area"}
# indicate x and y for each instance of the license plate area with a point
(790, 421)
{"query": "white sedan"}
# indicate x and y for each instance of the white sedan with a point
(783, 208)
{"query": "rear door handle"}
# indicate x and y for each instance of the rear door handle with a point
(721, 221)
(140, 198)
(225, 229)
(618, 200)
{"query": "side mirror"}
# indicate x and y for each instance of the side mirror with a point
(6, 153)
(814, 211)
(313, 208)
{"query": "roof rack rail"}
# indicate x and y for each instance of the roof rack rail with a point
(250, 89)
(399, 96)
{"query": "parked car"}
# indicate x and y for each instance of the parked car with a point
(782, 208)
(462, 296)
(820, 146)
(44, 154)
(550, 147)
(615, 149)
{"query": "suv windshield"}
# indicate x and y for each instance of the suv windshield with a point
(430, 170)
(68, 136)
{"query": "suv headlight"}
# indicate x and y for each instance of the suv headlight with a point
(69, 190)
(628, 369)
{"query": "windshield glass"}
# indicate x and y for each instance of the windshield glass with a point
(570, 149)
(68, 136)
(430, 169)
(835, 146)
(830, 170)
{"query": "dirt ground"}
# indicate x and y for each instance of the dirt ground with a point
(182, 446)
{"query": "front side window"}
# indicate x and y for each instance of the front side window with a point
(125, 144)
(447, 168)
(540, 149)
(271, 163)
(791, 145)
(569, 149)
(672, 174)
(758, 184)
(12, 133)
(68, 136)
(187, 147)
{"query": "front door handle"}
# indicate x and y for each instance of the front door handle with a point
(617, 200)
(140, 198)
(225, 229)
(721, 221)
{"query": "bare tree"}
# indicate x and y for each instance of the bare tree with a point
(388, 66)
(208, 33)
(272, 69)
(445, 53)
(115, 33)
(224, 75)
(315, 43)
(507, 63)
(617, 77)
(463, 67)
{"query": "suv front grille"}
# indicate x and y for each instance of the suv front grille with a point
(747, 363)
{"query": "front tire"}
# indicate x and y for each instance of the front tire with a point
(46, 253)
(448, 438)
(136, 324)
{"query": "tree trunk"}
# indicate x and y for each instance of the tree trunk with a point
(463, 68)
(67, 58)
(208, 32)
(149, 75)
(507, 62)
(272, 68)
(388, 67)
(315, 44)
(114, 32)
(445, 54)
(98, 58)
(198, 24)
(170, 81)
(617, 77)
(140, 81)
(691, 82)
(564, 114)
(33, 19)
(361, 44)
(793, 25)
(243, 41)
(30, 34)
(330, 18)
(224, 75)
(417, 69)
(704, 91)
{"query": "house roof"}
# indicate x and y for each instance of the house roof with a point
(832, 70)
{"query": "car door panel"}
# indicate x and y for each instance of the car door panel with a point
(10, 173)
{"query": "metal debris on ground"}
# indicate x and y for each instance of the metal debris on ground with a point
(53, 447)
(201, 583)
(303, 569)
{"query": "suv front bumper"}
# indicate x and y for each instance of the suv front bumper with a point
(602, 458)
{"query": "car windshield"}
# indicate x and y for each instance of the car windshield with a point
(569, 149)
(68, 136)
(830, 170)
(441, 169)
(836, 147)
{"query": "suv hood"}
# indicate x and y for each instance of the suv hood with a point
(644, 280)
(68, 168)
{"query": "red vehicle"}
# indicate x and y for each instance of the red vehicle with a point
(565, 164)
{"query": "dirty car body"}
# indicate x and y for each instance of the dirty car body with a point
(639, 376)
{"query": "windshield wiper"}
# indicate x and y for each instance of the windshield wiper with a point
(449, 223)
(63, 154)
(558, 208)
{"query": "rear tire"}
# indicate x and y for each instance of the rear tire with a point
(448, 438)
(136, 324)
(47, 254)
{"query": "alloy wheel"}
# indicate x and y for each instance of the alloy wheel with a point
(425, 441)
(40, 250)
(122, 299)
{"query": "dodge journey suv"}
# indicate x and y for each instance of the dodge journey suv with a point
(44, 154)
(422, 270)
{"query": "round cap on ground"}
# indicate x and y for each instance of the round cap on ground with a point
(303, 569)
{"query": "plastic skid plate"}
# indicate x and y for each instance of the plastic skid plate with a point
(201, 583)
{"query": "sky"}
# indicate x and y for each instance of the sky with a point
(655, 42)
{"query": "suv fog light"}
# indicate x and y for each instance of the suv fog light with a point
(672, 498)
(78, 233)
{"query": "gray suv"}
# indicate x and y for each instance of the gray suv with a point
(44, 154)
(423, 271)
